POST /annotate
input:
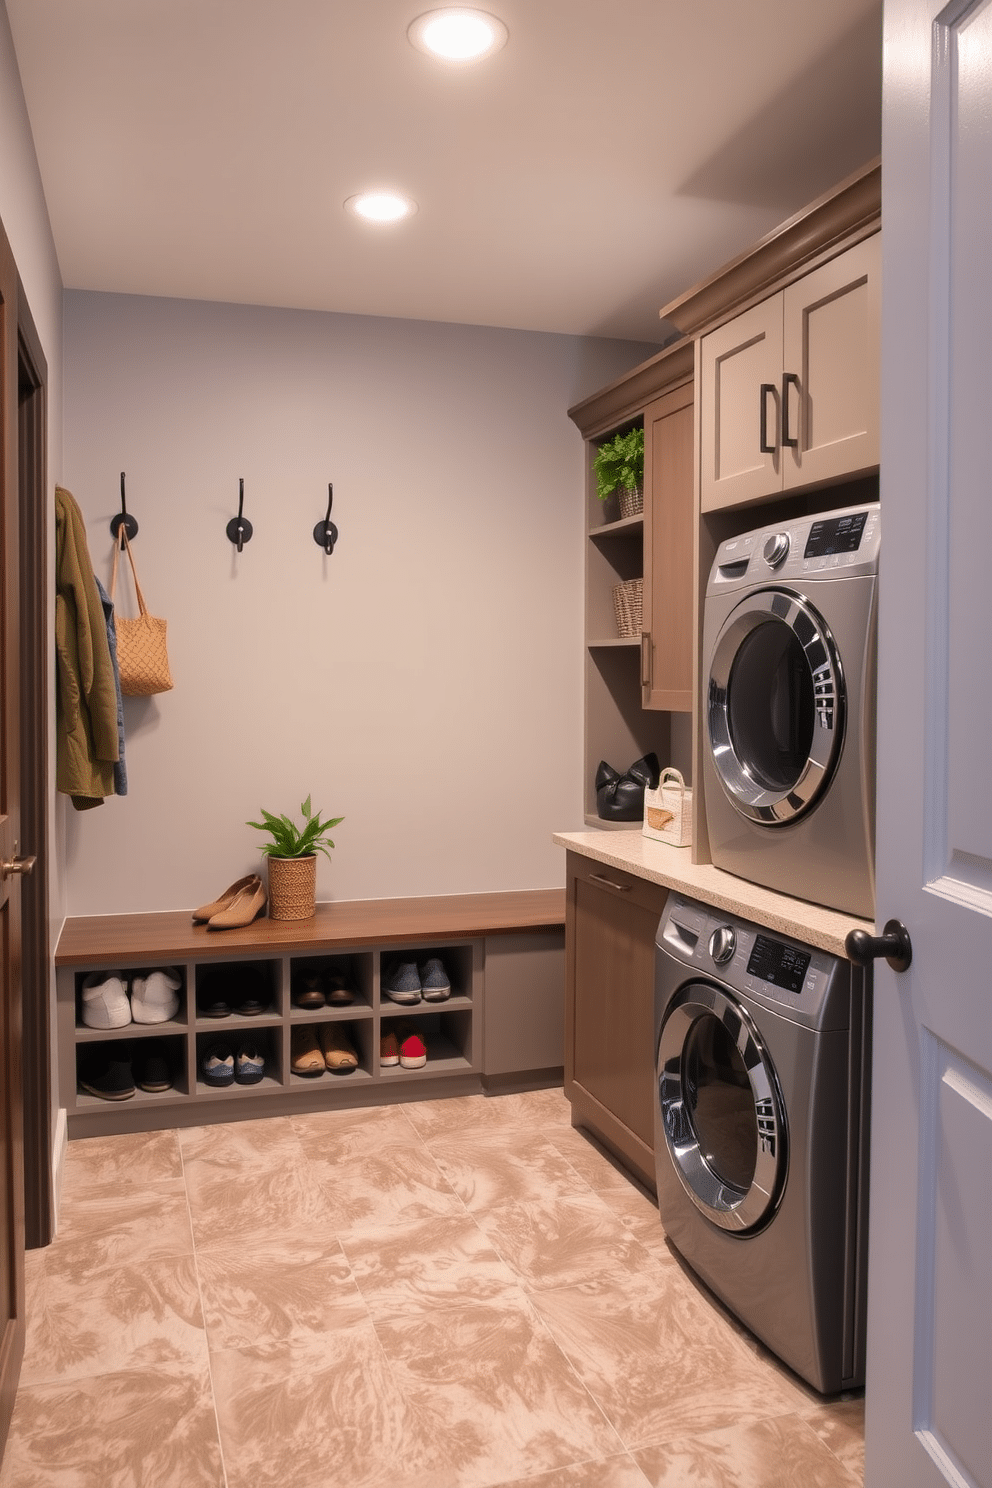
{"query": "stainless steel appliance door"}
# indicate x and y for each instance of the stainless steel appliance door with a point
(775, 706)
(721, 1107)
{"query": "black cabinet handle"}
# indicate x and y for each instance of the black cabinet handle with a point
(789, 380)
(894, 944)
(763, 391)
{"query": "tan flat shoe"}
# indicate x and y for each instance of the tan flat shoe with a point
(339, 1054)
(207, 911)
(243, 908)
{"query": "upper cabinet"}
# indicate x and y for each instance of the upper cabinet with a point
(669, 528)
(789, 389)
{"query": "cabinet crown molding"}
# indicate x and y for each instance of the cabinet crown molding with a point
(849, 210)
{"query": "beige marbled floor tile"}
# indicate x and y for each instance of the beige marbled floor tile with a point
(606, 1472)
(777, 1453)
(259, 1296)
(123, 1318)
(241, 1145)
(601, 1170)
(132, 1225)
(840, 1425)
(266, 1205)
(460, 1114)
(658, 1358)
(138, 1158)
(341, 1136)
(558, 1242)
(437, 1262)
(322, 1414)
(514, 1166)
(639, 1213)
(489, 1382)
(390, 1187)
(137, 1429)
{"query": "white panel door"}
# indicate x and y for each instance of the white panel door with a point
(929, 1393)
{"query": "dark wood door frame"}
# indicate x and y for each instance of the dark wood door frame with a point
(36, 961)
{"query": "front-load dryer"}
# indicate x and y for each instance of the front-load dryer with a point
(761, 1132)
(789, 643)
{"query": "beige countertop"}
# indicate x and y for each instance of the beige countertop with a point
(673, 869)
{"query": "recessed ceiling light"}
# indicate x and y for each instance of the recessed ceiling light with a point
(457, 34)
(381, 206)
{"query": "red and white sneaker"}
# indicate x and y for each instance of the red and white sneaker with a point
(413, 1051)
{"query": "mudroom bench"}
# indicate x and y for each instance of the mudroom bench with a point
(501, 1027)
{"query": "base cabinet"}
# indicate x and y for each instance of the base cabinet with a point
(611, 921)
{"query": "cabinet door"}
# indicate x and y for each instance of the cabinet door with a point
(737, 360)
(609, 1043)
(831, 349)
(666, 645)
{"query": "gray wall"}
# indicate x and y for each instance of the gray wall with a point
(425, 681)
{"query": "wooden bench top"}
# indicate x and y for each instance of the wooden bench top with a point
(136, 939)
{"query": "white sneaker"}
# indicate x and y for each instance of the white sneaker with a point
(104, 1001)
(155, 998)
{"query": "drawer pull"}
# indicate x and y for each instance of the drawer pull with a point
(611, 883)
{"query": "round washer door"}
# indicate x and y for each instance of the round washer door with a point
(775, 706)
(722, 1110)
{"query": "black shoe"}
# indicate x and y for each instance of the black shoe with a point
(251, 992)
(308, 990)
(108, 1075)
(214, 994)
(153, 1072)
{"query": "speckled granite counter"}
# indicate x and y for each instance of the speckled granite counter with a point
(672, 868)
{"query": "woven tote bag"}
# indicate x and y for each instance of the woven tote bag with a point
(142, 656)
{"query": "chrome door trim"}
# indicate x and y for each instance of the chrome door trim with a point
(751, 797)
(721, 1202)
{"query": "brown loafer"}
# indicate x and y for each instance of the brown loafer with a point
(305, 1057)
(243, 908)
(207, 911)
(339, 1054)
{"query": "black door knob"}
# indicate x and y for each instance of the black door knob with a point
(894, 944)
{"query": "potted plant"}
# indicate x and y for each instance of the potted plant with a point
(619, 466)
(292, 856)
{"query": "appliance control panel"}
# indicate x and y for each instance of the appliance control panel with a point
(833, 545)
(806, 984)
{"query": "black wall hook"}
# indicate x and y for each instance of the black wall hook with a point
(325, 534)
(124, 519)
(239, 528)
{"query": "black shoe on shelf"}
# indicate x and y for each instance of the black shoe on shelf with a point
(153, 1072)
(107, 1074)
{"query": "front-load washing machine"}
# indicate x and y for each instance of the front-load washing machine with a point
(789, 642)
(761, 1132)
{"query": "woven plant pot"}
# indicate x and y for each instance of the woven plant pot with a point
(292, 888)
(631, 500)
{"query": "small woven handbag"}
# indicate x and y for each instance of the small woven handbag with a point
(142, 657)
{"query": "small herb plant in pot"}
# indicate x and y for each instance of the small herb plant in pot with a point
(619, 466)
(292, 855)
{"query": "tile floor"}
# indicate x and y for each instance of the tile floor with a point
(456, 1292)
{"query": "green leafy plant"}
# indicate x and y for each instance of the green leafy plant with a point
(290, 841)
(619, 462)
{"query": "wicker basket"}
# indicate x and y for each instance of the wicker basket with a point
(292, 888)
(631, 500)
(628, 607)
(668, 810)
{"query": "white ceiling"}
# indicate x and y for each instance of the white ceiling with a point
(612, 154)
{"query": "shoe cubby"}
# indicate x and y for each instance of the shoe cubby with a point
(157, 1067)
(458, 964)
(447, 1037)
(266, 1039)
(330, 977)
(250, 975)
(122, 981)
(250, 991)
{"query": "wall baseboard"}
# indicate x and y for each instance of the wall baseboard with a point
(60, 1145)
